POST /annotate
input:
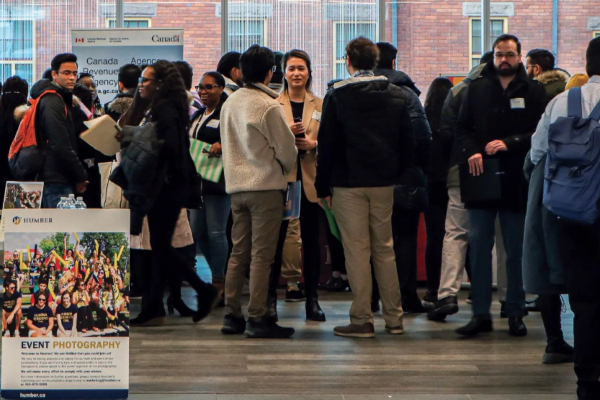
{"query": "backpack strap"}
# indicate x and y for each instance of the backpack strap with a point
(595, 114)
(574, 103)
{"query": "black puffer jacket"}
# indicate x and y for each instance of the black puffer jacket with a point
(56, 136)
(366, 138)
(491, 113)
(398, 78)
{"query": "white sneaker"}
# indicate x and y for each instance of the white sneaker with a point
(17, 333)
(7, 333)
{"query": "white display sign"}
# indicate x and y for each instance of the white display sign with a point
(101, 52)
(65, 332)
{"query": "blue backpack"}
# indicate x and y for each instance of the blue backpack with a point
(572, 175)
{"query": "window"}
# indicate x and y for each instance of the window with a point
(499, 27)
(17, 41)
(130, 23)
(243, 33)
(345, 32)
(596, 34)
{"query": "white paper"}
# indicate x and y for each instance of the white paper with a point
(101, 135)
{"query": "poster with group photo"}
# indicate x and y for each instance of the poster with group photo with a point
(65, 316)
(21, 195)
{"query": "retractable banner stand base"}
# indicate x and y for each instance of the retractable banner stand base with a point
(65, 329)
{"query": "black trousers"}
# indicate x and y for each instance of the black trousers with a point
(166, 260)
(85, 319)
(580, 251)
(435, 225)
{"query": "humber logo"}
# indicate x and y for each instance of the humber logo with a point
(18, 220)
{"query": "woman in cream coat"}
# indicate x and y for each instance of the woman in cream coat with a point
(302, 110)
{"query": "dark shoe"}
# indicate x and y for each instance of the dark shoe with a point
(395, 330)
(353, 330)
(313, 310)
(532, 305)
(558, 353)
(337, 284)
(375, 306)
(207, 301)
(469, 300)
(272, 309)
(147, 318)
(516, 327)
(233, 325)
(430, 299)
(476, 326)
(413, 306)
(443, 308)
(180, 306)
(294, 295)
(266, 329)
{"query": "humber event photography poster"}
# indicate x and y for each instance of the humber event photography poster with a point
(65, 316)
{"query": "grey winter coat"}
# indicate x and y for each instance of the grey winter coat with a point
(543, 271)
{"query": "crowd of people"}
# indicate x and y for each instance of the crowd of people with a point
(472, 159)
(81, 293)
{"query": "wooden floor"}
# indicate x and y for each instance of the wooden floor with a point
(429, 362)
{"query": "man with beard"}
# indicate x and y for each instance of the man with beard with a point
(498, 116)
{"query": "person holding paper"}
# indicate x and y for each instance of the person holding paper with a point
(209, 223)
(302, 110)
(498, 116)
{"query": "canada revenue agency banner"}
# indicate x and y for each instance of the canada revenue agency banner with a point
(65, 314)
(100, 52)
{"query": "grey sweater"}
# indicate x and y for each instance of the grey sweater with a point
(258, 146)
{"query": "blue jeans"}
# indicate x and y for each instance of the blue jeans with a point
(481, 243)
(53, 192)
(209, 225)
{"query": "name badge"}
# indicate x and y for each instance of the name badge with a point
(316, 115)
(213, 123)
(517, 103)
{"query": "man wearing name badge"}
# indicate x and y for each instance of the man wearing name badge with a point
(499, 114)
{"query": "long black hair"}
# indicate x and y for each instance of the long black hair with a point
(171, 89)
(136, 111)
(434, 101)
(14, 94)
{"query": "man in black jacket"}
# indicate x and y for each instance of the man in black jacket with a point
(386, 66)
(499, 114)
(129, 74)
(62, 172)
(365, 142)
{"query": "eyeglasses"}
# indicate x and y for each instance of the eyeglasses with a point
(69, 73)
(508, 55)
(12, 287)
(345, 57)
(141, 81)
(41, 299)
(207, 88)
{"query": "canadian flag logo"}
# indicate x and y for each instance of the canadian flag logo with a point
(79, 40)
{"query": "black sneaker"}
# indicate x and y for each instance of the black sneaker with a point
(233, 325)
(443, 308)
(516, 326)
(266, 329)
(338, 284)
(558, 353)
(476, 326)
(430, 299)
(294, 295)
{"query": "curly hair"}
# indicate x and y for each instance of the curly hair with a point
(171, 89)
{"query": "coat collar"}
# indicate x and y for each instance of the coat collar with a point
(264, 88)
(358, 79)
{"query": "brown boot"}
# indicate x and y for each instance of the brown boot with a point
(353, 330)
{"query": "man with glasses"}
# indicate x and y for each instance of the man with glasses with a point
(11, 309)
(499, 114)
(61, 172)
